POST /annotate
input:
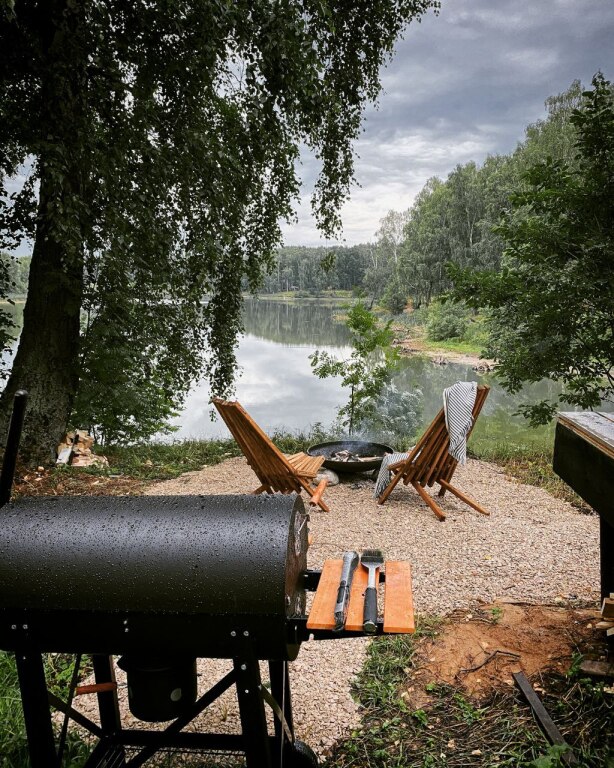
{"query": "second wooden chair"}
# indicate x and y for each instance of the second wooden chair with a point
(429, 462)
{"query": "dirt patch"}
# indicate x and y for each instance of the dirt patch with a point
(479, 649)
(71, 482)
(445, 717)
(415, 343)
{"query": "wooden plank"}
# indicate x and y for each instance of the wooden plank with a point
(604, 625)
(317, 494)
(551, 732)
(439, 513)
(322, 614)
(353, 622)
(398, 599)
(595, 428)
(82, 690)
(607, 608)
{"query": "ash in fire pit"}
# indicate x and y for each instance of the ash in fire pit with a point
(351, 455)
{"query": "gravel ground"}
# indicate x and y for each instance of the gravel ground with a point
(532, 547)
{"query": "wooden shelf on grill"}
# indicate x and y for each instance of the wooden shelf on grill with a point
(398, 600)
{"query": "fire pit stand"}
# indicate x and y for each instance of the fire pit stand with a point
(351, 455)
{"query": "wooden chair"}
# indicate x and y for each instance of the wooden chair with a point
(276, 472)
(429, 462)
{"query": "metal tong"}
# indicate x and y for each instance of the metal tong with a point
(350, 561)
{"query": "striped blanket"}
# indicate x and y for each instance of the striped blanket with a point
(458, 402)
(385, 475)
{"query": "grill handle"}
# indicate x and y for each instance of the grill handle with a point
(12, 446)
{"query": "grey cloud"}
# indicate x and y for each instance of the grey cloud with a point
(464, 85)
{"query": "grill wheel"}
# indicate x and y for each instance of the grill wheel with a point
(299, 755)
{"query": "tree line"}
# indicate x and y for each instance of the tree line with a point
(527, 239)
(498, 237)
(452, 221)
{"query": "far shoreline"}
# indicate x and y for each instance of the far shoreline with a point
(413, 346)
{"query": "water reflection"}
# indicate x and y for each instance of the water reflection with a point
(500, 407)
(308, 323)
(278, 389)
(275, 385)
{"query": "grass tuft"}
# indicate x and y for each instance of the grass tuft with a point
(13, 743)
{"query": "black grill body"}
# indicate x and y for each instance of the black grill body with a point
(173, 574)
(159, 581)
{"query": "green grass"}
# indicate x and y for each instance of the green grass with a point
(13, 744)
(453, 731)
(162, 461)
(387, 665)
(460, 346)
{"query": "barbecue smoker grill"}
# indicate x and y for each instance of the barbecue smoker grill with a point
(158, 581)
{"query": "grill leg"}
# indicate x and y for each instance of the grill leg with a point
(36, 713)
(251, 709)
(108, 703)
(280, 688)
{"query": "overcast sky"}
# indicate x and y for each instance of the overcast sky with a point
(461, 86)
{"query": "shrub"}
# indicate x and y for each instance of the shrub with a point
(394, 299)
(447, 320)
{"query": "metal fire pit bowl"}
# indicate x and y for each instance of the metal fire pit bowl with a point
(359, 447)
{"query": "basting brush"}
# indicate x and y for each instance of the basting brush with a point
(371, 559)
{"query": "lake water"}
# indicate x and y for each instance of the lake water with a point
(277, 387)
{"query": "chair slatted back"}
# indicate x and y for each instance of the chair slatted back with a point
(429, 461)
(267, 461)
(448, 465)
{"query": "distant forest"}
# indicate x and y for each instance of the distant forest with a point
(451, 221)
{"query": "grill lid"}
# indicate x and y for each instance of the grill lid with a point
(214, 555)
